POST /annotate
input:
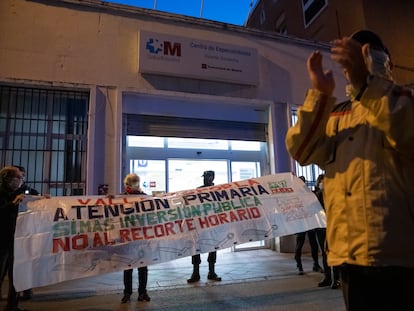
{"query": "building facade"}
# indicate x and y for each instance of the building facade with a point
(91, 91)
(325, 20)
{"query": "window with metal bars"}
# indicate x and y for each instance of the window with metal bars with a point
(310, 172)
(45, 131)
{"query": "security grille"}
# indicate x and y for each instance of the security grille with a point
(45, 131)
(310, 172)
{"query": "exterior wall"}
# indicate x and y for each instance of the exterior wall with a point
(92, 46)
(95, 47)
(391, 19)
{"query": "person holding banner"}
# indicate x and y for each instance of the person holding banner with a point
(331, 277)
(26, 189)
(365, 145)
(300, 241)
(103, 189)
(132, 186)
(211, 259)
(11, 180)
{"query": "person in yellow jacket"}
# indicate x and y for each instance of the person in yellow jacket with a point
(366, 148)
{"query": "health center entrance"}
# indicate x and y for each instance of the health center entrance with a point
(170, 141)
(168, 164)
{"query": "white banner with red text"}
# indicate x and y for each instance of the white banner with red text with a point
(65, 238)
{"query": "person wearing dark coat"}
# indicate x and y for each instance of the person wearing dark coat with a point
(331, 277)
(26, 189)
(11, 180)
(212, 256)
(300, 241)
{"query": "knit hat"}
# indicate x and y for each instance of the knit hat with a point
(367, 36)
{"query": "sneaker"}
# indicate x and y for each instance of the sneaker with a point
(299, 271)
(144, 297)
(194, 278)
(126, 298)
(214, 277)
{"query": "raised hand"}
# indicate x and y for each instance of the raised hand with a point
(321, 81)
(348, 53)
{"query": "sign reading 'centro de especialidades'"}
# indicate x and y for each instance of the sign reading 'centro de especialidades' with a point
(193, 58)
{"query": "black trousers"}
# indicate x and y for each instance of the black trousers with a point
(377, 288)
(6, 266)
(321, 238)
(196, 259)
(330, 273)
(142, 280)
(300, 240)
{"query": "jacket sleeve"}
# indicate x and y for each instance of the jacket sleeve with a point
(391, 110)
(7, 204)
(306, 141)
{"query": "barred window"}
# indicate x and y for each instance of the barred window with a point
(310, 172)
(45, 131)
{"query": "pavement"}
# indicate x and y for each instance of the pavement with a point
(259, 279)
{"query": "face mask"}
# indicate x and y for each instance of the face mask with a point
(15, 183)
(378, 63)
(135, 186)
(350, 91)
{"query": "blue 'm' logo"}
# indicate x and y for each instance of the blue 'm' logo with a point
(154, 46)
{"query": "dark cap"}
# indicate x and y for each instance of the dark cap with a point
(367, 36)
(208, 173)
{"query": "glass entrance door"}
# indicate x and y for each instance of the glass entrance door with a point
(186, 174)
(174, 164)
(181, 174)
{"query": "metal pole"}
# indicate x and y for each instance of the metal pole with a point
(201, 8)
(250, 11)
